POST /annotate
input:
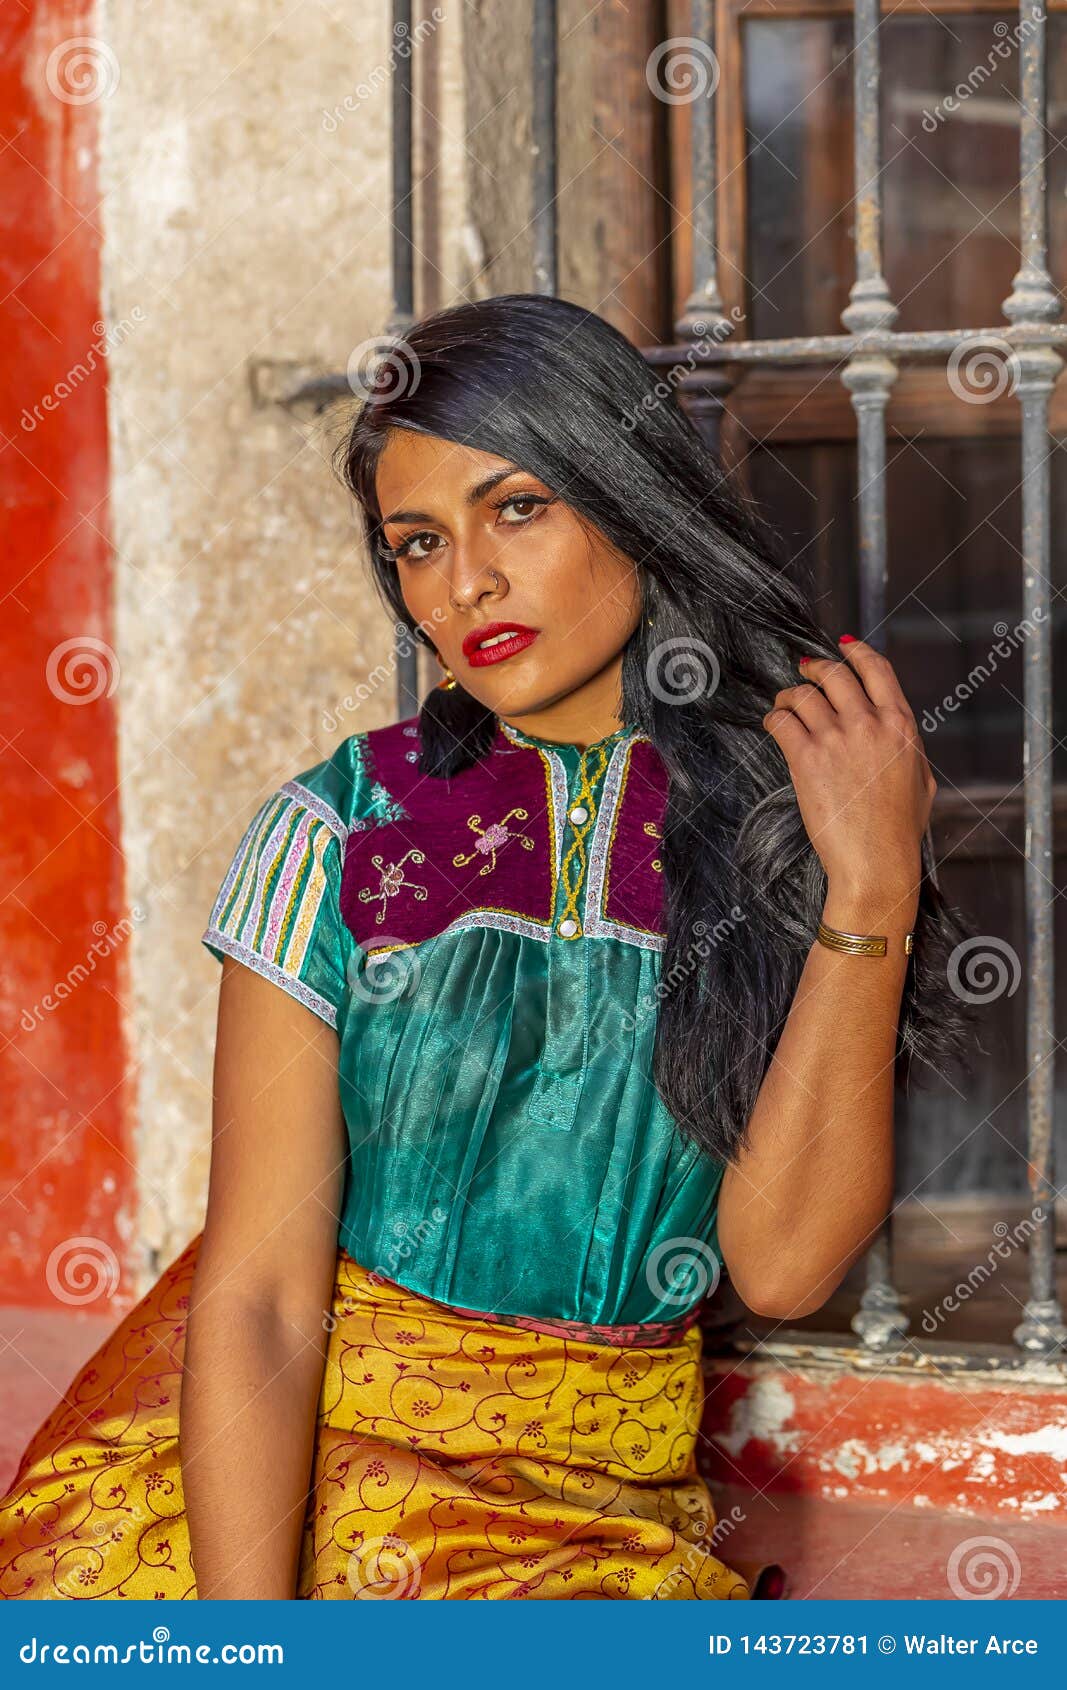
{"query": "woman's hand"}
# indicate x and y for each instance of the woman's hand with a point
(862, 780)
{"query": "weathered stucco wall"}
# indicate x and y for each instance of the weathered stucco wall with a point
(245, 167)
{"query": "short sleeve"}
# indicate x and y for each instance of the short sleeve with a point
(278, 908)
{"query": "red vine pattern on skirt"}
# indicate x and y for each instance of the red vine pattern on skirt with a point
(454, 1458)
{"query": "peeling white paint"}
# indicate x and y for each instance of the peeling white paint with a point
(853, 1458)
(764, 1413)
(1048, 1440)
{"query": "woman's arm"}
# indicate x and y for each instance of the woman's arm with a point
(815, 1183)
(257, 1332)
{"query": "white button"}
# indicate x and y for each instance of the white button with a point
(579, 813)
(568, 927)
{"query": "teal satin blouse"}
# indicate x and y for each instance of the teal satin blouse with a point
(488, 949)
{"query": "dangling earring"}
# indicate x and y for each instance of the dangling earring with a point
(449, 680)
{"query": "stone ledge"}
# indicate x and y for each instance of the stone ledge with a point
(805, 1421)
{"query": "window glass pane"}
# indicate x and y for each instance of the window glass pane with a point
(949, 180)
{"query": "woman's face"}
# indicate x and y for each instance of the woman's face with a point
(484, 546)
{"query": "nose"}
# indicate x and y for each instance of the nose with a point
(473, 580)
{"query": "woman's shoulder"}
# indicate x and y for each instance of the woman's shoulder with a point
(277, 907)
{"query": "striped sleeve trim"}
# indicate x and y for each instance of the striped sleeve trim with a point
(318, 807)
(299, 989)
(269, 902)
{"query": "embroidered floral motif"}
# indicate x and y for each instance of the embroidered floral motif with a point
(491, 839)
(501, 847)
(392, 882)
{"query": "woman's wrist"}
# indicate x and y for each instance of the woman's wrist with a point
(872, 905)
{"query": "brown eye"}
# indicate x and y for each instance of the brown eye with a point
(413, 550)
(531, 500)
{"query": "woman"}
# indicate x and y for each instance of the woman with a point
(569, 1019)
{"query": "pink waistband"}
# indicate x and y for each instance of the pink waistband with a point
(647, 1334)
(642, 1334)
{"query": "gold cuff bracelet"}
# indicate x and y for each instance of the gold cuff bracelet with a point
(858, 944)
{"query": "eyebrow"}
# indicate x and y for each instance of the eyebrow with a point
(474, 496)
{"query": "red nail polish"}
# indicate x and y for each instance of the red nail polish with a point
(843, 639)
(803, 660)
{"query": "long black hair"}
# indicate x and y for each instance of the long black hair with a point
(557, 390)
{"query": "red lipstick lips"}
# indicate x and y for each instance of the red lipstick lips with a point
(508, 638)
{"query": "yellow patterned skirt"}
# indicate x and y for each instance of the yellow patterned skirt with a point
(456, 1457)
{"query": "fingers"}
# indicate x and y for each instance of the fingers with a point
(877, 674)
(787, 730)
(839, 682)
(808, 703)
(861, 682)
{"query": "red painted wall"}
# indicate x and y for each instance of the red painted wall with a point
(66, 1172)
